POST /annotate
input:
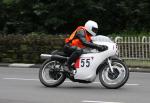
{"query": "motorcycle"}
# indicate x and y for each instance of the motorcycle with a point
(112, 71)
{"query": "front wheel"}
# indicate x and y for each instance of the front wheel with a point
(116, 79)
(50, 74)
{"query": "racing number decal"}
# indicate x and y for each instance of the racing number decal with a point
(85, 62)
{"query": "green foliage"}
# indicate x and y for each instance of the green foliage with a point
(63, 16)
(130, 33)
(27, 49)
(138, 63)
(8, 1)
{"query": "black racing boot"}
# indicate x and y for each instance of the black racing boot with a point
(69, 69)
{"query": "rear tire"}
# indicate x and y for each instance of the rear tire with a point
(54, 77)
(114, 80)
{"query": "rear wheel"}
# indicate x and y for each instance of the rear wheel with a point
(50, 74)
(116, 79)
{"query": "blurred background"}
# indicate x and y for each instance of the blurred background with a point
(31, 27)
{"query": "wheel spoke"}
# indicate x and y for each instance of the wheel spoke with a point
(114, 78)
(49, 72)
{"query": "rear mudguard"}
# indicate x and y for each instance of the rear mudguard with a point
(105, 62)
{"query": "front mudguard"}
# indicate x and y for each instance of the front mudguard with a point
(115, 57)
(105, 62)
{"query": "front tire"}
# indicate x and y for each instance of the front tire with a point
(50, 73)
(114, 80)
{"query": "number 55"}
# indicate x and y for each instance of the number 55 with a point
(85, 62)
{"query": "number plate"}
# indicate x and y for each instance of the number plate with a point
(83, 62)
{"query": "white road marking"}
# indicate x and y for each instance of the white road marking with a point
(20, 65)
(125, 84)
(89, 101)
(132, 84)
(21, 79)
(65, 81)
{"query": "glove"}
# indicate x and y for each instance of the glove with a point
(102, 48)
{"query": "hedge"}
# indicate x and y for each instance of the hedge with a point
(27, 48)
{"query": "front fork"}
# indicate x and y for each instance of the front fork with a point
(109, 64)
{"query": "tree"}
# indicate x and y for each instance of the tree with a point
(63, 16)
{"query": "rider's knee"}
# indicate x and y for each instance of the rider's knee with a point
(79, 51)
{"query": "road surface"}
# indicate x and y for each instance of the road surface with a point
(21, 85)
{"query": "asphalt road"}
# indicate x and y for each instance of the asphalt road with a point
(21, 85)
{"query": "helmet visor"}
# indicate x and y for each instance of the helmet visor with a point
(95, 30)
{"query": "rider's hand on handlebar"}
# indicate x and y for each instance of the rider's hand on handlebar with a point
(102, 48)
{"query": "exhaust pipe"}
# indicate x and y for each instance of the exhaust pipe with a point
(45, 56)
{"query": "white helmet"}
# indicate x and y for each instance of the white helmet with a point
(91, 27)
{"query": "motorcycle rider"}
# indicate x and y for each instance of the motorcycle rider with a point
(80, 39)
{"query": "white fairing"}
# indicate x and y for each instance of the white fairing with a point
(88, 63)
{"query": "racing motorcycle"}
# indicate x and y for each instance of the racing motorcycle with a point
(110, 69)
